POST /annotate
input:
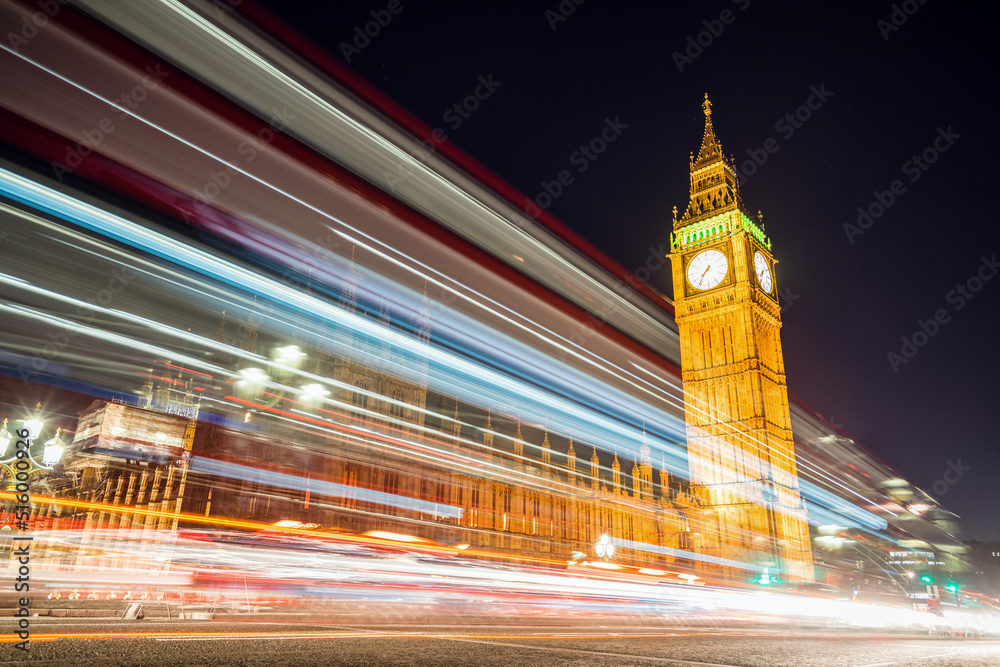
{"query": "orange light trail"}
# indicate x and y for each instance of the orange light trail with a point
(259, 526)
(340, 427)
(55, 636)
(187, 370)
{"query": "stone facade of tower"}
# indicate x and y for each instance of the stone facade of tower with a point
(740, 446)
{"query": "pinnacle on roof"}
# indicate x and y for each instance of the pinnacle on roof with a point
(644, 454)
(456, 425)
(710, 150)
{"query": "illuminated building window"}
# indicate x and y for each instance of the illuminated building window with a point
(396, 409)
(359, 398)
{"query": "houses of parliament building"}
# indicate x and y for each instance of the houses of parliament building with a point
(340, 455)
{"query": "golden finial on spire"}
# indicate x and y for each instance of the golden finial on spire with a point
(707, 106)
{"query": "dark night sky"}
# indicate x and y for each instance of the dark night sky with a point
(848, 304)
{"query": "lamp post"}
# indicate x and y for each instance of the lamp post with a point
(33, 426)
(604, 548)
(53, 450)
(5, 440)
(313, 393)
(39, 458)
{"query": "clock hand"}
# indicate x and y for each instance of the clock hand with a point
(707, 270)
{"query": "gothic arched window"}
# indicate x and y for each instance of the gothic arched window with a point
(359, 399)
(396, 407)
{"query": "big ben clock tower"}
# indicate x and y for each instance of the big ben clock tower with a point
(741, 454)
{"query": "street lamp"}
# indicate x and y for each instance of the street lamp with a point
(53, 450)
(251, 379)
(33, 426)
(313, 392)
(5, 438)
(289, 355)
(34, 423)
(604, 548)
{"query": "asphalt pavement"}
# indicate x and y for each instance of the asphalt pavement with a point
(85, 642)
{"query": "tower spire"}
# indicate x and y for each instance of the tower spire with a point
(644, 454)
(488, 434)
(456, 424)
(571, 457)
(518, 445)
(595, 470)
(711, 150)
(616, 474)
(714, 185)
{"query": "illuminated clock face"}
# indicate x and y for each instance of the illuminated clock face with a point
(763, 272)
(707, 269)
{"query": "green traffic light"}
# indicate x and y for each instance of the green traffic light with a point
(927, 579)
(952, 587)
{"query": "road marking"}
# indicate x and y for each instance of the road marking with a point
(909, 661)
(676, 661)
(221, 636)
(224, 638)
